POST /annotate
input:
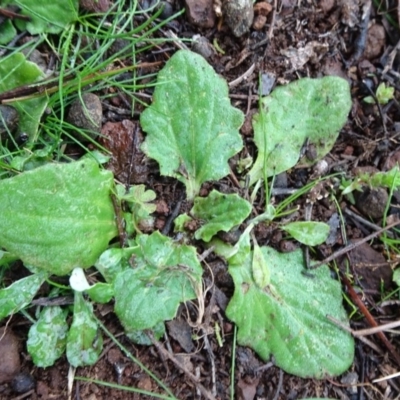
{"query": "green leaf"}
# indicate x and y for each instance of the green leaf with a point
(16, 71)
(164, 274)
(84, 342)
(47, 338)
(308, 111)
(384, 93)
(20, 294)
(139, 200)
(311, 233)
(7, 31)
(192, 129)
(288, 318)
(46, 15)
(59, 216)
(261, 272)
(101, 292)
(112, 262)
(219, 212)
(140, 337)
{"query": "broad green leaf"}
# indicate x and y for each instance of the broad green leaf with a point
(84, 342)
(288, 318)
(18, 295)
(192, 129)
(101, 292)
(47, 338)
(113, 261)
(311, 233)
(59, 216)
(261, 272)
(219, 212)
(16, 71)
(46, 15)
(306, 112)
(7, 31)
(140, 337)
(164, 275)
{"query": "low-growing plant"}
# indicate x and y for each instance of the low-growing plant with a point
(56, 228)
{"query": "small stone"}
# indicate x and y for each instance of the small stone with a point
(9, 120)
(201, 13)
(22, 382)
(95, 6)
(86, 115)
(202, 46)
(239, 15)
(372, 202)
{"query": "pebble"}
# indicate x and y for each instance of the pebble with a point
(238, 15)
(372, 202)
(86, 116)
(9, 120)
(202, 46)
(200, 13)
(22, 383)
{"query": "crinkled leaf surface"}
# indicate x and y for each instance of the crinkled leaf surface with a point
(84, 341)
(219, 212)
(46, 15)
(288, 318)
(16, 71)
(47, 338)
(311, 233)
(18, 295)
(113, 261)
(308, 111)
(164, 275)
(59, 216)
(192, 129)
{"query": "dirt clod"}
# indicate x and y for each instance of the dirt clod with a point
(9, 119)
(9, 350)
(201, 13)
(22, 383)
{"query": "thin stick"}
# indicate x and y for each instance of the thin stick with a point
(352, 246)
(370, 319)
(360, 338)
(192, 377)
(380, 328)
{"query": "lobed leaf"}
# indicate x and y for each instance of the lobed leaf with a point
(307, 112)
(287, 319)
(192, 129)
(219, 212)
(164, 275)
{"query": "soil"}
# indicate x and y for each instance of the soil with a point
(288, 39)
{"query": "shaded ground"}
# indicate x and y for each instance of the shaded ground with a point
(295, 39)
